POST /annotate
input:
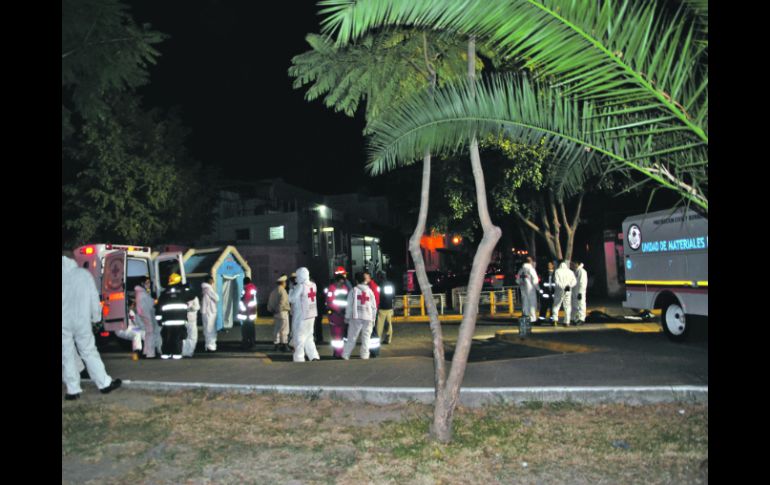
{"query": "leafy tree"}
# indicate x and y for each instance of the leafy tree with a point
(134, 181)
(104, 51)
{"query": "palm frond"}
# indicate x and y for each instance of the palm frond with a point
(605, 51)
(525, 111)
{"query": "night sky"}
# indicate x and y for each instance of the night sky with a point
(225, 65)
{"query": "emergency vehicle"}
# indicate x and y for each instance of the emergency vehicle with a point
(117, 269)
(666, 267)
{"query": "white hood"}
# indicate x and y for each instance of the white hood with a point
(302, 275)
(67, 264)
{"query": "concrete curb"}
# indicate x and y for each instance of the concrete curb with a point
(469, 396)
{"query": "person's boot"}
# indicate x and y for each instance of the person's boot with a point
(113, 385)
(72, 397)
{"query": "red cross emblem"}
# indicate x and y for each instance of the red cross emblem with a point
(363, 298)
(311, 294)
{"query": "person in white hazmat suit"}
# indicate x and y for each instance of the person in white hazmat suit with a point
(134, 331)
(529, 285)
(145, 316)
(304, 309)
(565, 282)
(80, 308)
(209, 313)
(360, 314)
(189, 343)
(579, 293)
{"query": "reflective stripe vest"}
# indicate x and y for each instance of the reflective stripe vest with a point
(247, 307)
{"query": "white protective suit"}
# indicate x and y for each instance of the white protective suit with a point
(79, 309)
(145, 316)
(133, 332)
(529, 286)
(360, 314)
(304, 310)
(564, 278)
(579, 294)
(209, 315)
(188, 344)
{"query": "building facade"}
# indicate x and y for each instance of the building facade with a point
(278, 227)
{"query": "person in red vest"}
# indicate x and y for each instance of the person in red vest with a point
(247, 314)
(336, 303)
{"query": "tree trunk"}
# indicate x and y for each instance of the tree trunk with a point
(439, 363)
(446, 399)
(571, 227)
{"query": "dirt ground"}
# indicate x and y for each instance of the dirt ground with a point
(197, 437)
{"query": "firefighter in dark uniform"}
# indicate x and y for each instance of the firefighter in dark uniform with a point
(336, 303)
(172, 308)
(547, 290)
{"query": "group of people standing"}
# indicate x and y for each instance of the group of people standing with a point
(352, 312)
(563, 287)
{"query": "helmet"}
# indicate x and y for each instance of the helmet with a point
(174, 279)
(340, 270)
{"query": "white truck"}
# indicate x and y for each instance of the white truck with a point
(117, 269)
(666, 267)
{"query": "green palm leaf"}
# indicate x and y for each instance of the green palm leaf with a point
(607, 51)
(527, 111)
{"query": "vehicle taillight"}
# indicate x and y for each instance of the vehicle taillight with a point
(104, 334)
(499, 276)
(105, 309)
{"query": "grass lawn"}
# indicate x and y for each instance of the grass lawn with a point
(196, 437)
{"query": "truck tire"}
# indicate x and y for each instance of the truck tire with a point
(674, 322)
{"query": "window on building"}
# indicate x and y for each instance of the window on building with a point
(243, 234)
(276, 233)
(316, 243)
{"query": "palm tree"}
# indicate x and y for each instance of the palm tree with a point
(648, 83)
(637, 97)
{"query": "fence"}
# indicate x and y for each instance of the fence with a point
(407, 303)
(507, 298)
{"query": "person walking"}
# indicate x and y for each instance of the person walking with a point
(579, 295)
(565, 282)
(359, 314)
(385, 310)
(278, 305)
(80, 308)
(209, 314)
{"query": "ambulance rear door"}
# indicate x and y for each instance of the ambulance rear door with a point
(165, 265)
(114, 291)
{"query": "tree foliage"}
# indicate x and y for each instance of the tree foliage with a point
(104, 51)
(134, 181)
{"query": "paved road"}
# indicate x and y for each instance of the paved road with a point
(563, 358)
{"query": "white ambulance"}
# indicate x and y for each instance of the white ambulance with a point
(666, 267)
(117, 269)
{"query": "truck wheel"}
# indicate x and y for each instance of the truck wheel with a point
(674, 323)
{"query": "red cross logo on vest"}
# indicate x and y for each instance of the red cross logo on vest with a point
(363, 298)
(311, 294)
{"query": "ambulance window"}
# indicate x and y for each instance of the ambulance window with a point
(136, 271)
